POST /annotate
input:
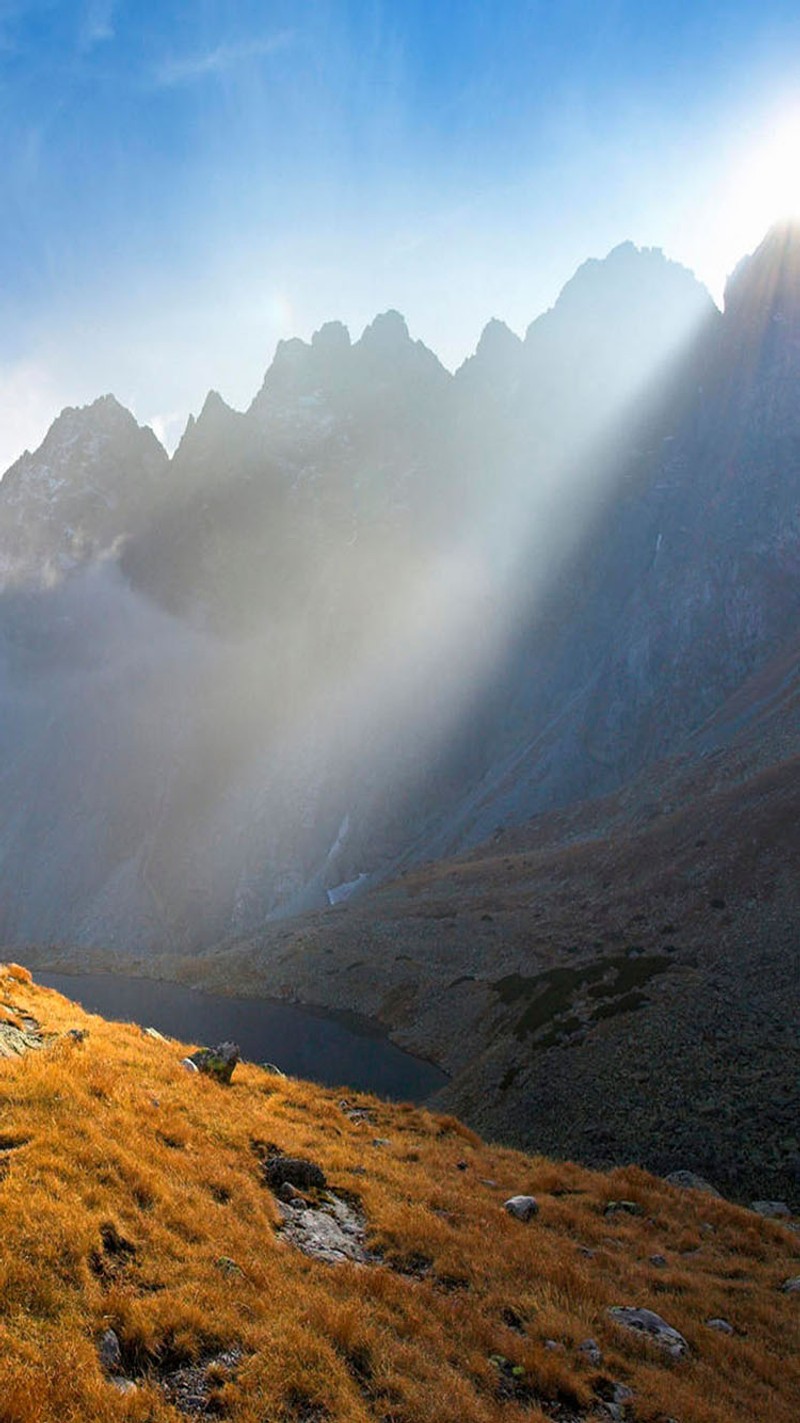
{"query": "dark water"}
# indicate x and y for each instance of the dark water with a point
(335, 1050)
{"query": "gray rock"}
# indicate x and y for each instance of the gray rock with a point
(615, 1398)
(522, 1207)
(792, 1286)
(272, 1069)
(658, 1261)
(771, 1210)
(227, 1266)
(293, 1171)
(189, 1065)
(355, 1114)
(623, 1208)
(189, 1387)
(217, 1062)
(290, 1194)
(109, 1352)
(592, 1352)
(333, 1232)
(650, 1325)
(721, 1325)
(153, 1033)
(16, 1041)
(690, 1181)
(123, 1385)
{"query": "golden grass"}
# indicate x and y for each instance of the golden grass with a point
(127, 1181)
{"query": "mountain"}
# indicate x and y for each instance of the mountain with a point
(613, 981)
(275, 681)
(159, 1261)
(94, 480)
(389, 616)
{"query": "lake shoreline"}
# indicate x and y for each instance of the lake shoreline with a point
(333, 1046)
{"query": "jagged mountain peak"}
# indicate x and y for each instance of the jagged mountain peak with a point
(333, 338)
(496, 358)
(103, 413)
(80, 435)
(497, 336)
(630, 279)
(768, 280)
(215, 422)
(213, 405)
(90, 482)
(386, 346)
(387, 331)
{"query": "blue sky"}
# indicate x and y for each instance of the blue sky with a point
(185, 183)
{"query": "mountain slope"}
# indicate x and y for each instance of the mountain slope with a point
(617, 980)
(149, 1271)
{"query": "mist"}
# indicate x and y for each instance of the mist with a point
(270, 671)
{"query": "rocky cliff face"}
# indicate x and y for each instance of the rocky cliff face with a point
(387, 608)
(96, 478)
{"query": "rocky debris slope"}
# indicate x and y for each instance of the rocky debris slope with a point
(613, 982)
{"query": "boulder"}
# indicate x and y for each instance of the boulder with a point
(217, 1062)
(592, 1352)
(616, 1397)
(771, 1210)
(651, 1326)
(721, 1325)
(294, 1171)
(109, 1352)
(522, 1207)
(690, 1181)
(16, 1041)
(624, 1208)
(333, 1232)
(792, 1286)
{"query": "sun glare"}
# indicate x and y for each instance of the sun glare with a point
(763, 189)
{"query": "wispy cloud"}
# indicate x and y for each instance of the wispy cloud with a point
(191, 69)
(97, 23)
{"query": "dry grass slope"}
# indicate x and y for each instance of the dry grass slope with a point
(127, 1184)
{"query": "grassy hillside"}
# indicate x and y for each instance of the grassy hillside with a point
(134, 1198)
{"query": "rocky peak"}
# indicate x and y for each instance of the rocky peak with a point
(766, 285)
(79, 440)
(332, 339)
(630, 284)
(91, 478)
(497, 339)
(496, 361)
(301, 369)
(387, 333)
(387, 352)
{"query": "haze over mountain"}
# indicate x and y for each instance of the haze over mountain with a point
(388, 614)
(262, 668)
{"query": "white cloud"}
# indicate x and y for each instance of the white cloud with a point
(190, 69)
